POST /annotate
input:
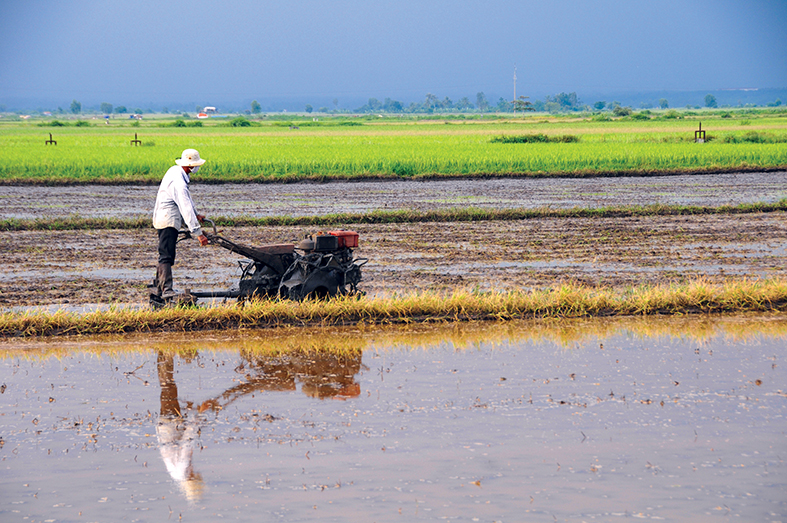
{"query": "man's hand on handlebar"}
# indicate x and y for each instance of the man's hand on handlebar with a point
(200, 218)
(203, 240)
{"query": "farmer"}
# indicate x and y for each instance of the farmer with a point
(174, 206)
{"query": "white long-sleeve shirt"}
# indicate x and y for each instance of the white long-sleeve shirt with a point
(173, 202)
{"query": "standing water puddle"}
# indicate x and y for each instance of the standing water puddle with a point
(681, 420)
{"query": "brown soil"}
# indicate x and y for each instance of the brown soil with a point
(308, 199)
(79, 267)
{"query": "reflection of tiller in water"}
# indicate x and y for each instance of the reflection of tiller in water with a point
(321, 376)
(320, 266)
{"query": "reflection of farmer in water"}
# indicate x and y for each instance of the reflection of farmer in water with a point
(176, 433)
(322, 376)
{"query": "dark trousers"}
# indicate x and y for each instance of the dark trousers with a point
(167, 238)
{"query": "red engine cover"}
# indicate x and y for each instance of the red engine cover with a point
(346, 238)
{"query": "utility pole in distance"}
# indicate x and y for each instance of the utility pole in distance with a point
(514, 81)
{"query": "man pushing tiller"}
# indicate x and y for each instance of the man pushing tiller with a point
(320, 266)
(173, 207)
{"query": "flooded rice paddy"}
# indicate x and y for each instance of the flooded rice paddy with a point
(661, 419)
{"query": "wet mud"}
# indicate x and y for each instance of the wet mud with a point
(85, 267)
(109, 266)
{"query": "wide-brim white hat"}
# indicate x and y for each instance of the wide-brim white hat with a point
(189, 158)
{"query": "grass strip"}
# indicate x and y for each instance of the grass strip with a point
(400, 171)
(562, 301)
(455, 214)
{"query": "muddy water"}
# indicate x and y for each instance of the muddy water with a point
(680, 420)
(306, 199)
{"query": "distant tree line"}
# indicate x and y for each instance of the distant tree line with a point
(104, 107)
(559, 103)
(434, 104)
(562, 102)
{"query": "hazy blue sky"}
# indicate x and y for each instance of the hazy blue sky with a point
(166, 50)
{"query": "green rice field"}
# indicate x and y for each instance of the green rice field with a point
(388, 148)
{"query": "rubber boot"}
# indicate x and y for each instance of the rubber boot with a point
(164, 277)
(154, 288)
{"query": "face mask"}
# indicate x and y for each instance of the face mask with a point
(194, 169)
